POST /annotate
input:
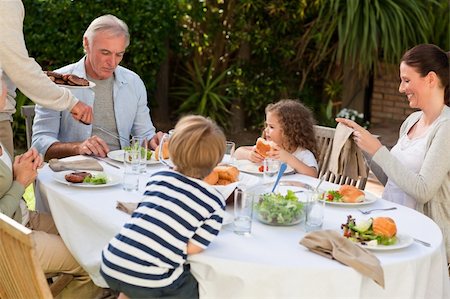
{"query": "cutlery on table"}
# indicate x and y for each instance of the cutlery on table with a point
(283, 168)
(111, 133)
(103, 160)
(379, 209)
(422, 242)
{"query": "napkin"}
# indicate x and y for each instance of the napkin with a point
(85, 164)
(346, 157)
(127, 207)
(331, 244)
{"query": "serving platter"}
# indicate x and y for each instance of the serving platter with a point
(91, 85)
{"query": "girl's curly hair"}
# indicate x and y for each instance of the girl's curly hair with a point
(297, 123)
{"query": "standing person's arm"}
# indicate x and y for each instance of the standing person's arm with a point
(25, 72)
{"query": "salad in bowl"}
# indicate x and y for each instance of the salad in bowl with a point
(278, 209)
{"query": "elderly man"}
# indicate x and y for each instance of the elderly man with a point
(119, 100)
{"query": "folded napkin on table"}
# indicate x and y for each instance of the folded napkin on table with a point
(85, 164)
(331, 244)
(127, 207)
(346, 157)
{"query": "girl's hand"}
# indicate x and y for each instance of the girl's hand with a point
(24, 171)
(254, 156)
(278, 153)
(363, 139)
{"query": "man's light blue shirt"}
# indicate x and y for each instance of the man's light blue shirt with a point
(130, 110)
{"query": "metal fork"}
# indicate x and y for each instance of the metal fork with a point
(110, 133)
(379, 209)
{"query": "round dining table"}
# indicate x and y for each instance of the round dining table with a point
(268, 263)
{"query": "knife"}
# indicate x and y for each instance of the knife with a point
(107, 162)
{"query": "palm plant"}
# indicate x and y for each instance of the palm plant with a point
(362, 32)
(204, 92)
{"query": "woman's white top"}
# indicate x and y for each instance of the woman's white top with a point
(411, 153)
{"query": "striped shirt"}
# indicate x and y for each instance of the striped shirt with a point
(150, 249)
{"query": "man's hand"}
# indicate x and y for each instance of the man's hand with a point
(93, 146)
(82, 112)
(154, 142)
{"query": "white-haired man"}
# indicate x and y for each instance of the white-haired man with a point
(119, 99)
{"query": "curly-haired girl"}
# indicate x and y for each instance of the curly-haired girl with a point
(290, 127)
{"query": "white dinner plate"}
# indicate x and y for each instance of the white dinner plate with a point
(403, 241)
(112, 179)
(117, 155)
(253, 168)
(91, 85)
(369, 199)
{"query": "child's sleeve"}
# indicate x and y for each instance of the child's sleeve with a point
(206, 233)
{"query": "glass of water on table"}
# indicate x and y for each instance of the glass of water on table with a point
(243, 211)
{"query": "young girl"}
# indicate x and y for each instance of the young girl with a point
(179, 215)
(290, 127)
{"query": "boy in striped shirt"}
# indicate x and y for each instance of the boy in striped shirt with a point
(179, 215)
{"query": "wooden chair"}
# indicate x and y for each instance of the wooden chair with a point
(324, 138)
(20, 272)
(27, 112)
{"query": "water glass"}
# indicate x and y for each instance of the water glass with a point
(229, 153)
(270, 169)
(315, 210)
(131, 170)
(141, 144)
(243, 212)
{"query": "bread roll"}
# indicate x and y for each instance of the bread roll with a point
(226, 172)
(165, 151)
(262, 146)
(222, 175)
(384, 226)
(351, 194)
(212, 178)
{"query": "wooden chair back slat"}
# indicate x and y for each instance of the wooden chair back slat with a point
(20, 272)
(324, 138)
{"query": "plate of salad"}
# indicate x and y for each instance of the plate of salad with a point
(97, 179)
(278, 209)
(117, 155)
(362, 232)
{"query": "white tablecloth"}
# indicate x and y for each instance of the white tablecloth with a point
(268, 264)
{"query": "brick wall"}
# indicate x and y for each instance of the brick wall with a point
(387, 102)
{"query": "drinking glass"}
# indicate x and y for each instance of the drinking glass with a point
(229, 153)
(270, 169)
(140, 143)
(165, 139)
(243, 212)
(315, 210)
(131, 170)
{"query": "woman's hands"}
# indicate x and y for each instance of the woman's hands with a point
(363, 138)
(25, 167)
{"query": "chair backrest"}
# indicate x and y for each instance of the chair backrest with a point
(20, 272)
(27, 112)
(324, 138)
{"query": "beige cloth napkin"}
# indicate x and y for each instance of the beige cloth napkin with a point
(85, 164)
(346, 157)
(331, 244)
(127, 207)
